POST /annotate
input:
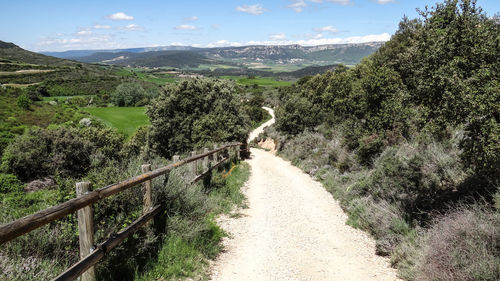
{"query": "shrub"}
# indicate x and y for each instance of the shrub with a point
(416, 178)
(462, 246)
(9, 183)
(67, 151)
(23, 101)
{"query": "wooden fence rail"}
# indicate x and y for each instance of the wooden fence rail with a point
(86, 198)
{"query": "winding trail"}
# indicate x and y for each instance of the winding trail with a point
(293, 230)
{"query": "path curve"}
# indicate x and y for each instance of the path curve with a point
(293, 230)
(255, 133)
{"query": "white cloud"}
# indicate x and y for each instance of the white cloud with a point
(327, 28)
(192, 18)
(101, 26)
(185, 27)
(297, 6)
(385, 1)
(214, 26)
(223, 43)
(132, 27)
(341, 2)
(84, 32)
(256, 9)
(277, 36)
(311, 36)
(315, 39)
(120, 16)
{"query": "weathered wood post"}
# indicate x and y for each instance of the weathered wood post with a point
(176, 158)
(146, 190)
(194, 165)
(215, 155)
(205, 160)
(85, 229)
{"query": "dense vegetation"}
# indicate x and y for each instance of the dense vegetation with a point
(408, 141)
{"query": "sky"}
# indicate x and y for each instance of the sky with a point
(59, 25)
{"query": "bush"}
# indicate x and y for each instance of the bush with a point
(23, 101)
(9, 183)
(65, 151)
(416, 178)
(462, 246)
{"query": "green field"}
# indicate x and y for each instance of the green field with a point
(261, 81)
(125, 119)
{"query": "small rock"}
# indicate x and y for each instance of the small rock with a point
(53, 102)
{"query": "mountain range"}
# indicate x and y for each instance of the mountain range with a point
(191, 57)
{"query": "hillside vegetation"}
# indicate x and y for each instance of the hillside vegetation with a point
(409, 142)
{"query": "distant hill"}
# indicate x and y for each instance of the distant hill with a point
(336, 53)
(60, 77)
(183, 56)
(178, 59)
(12, 52)
(78, 54)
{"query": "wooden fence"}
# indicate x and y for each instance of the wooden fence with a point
(90, 254)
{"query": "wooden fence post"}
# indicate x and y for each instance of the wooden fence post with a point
(194, 165)
(176, 158)
(216, 155)
(205, 160)
(146, 190)
(85, 230)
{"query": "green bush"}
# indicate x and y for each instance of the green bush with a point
(65, 151)
(9, 183)
(417, 178)
(23, 101)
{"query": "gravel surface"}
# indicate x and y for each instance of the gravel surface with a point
(255, 133)
(293, 230)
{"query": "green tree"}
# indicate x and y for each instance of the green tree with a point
(128, 94)
(195, 113)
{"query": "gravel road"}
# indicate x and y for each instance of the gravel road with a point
(293, 230)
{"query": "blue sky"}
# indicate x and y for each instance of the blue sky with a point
(70, 24)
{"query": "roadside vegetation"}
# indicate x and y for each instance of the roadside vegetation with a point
(408, 142)
(50, 143)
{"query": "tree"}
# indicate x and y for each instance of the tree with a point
(128, 94)
(195, 113)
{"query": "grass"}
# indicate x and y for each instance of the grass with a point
(186, 257)
(261, 81)
(125, 119)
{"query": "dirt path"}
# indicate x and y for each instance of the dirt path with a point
(293, 230)
(255, 133)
